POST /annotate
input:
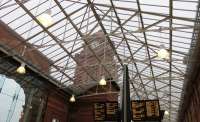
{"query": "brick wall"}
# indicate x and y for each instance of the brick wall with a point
(191, 113)
(12, 40)
(57, 107)
(83, 109)
(89, 61)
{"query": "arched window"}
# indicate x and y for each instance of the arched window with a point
(12, 99)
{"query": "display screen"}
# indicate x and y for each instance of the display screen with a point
(145, 110)
(152, 108)
(99, 111)
(138, 110)
(111, 111)
(107, 111)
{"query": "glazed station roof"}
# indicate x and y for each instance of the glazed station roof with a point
(135, 29)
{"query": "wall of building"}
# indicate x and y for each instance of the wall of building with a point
(83, 109)
(57, 108)
(191, 111)
(87, 60)
(12, 40)
(190, 107)
(56, 103)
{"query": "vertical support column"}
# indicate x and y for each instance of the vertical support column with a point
(28, 104)
(126, 104)
(40, 111)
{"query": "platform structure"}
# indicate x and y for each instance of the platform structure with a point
(83, 41)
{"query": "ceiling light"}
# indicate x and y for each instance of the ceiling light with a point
(72, 99)
(21, 69)
(102, 82)
(163, 53)
(166, 113)
(45, 19)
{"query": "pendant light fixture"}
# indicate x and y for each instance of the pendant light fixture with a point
(102, 82)
(72, 99)
(163, 53)
(166, 113)
(45, 19)
(21, 69)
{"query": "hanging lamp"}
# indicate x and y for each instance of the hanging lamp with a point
(102, 82)
(21, 69)
(163, 53)
(72, 99)
(46, 19)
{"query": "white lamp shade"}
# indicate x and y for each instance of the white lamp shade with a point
(163, 54)
(45, 19)
(72, 98)
(21, 69)
(102, 82)
(166, 113)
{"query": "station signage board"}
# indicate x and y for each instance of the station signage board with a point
(145, 110)
(106, 111)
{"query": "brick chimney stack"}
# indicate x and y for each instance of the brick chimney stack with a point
(103, 51)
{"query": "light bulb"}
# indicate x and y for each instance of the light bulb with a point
(102, 82)
(166, 113)
(21, 69)
(72, 98)
(45, 19)
(163, 54)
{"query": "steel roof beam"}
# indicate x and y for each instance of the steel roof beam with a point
(146, 12)
(26, 40)
(52, 36)
(105, 32)
(129, 48)
(146, 44)
(81, 35)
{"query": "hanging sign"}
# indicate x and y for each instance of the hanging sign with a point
(106, 111)
(145, 110)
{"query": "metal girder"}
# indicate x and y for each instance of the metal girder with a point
(150, 45)
(150, 93)
(167, 74)
(129, 48)
(12, 4)
(147, 12)
(105, 32)
(159, 81)
(81, 35)
(26, 40)
(155, 30)
(99, 20)
(141, 61)
(52, 36)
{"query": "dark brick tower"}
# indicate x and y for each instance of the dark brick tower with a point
(103, 51)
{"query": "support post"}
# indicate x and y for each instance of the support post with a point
(126, 104)
(28, 104)
(41, 108)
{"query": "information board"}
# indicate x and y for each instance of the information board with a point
(107, 111)
(138, 110)
(99, 111)
(111, 111)
(152, 108)
(145, 110)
